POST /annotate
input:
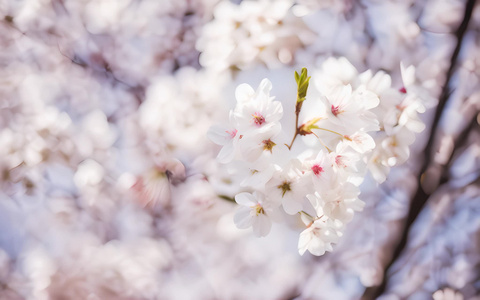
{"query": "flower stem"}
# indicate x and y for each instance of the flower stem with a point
(325, 129)
(307, 214)
(321, 142)
(297, 112)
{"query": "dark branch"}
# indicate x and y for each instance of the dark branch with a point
(420, 198)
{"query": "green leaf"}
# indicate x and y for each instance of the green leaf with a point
(225, 197)
(302, 84)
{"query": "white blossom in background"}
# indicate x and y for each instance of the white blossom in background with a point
(447, 294)
(111, 189)
(252, 32)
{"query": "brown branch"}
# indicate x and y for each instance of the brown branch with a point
(296, 130)
(421, 197)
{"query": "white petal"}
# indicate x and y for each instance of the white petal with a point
(275, 111)
(415, 125)
(219, 135)
(408, 75)
(367, 142)
(291, 206)
(261, 225)
(368, 99)
(316, 246)
(243, 217)
(246, 199)
(304, 240)
(362, 142)
(258, 179)
(380, 82)
(265, 86)
(244, 92)
(340, 95)
(226, 154)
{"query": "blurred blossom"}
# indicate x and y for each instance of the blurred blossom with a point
(447, 294)
(252, 32)
(110, 187)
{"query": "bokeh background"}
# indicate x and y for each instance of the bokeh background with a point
(109, 188)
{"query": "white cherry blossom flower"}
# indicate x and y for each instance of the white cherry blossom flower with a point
(409, 109)
(396, 147)
(286, 186)
(318, 237)
(253, 174)
(256, 212)
(344, 160)
(154, 187)
(339, 203)
(253, 147)
(319, 171)
(258, 114)
(377, 168)
(347, 111)
(347, 120)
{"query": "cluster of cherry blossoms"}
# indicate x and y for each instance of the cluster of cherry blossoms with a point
(350, 123)
(251, 32)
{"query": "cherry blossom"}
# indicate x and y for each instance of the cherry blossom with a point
(255, 212)
(321, 180)
(317, 238)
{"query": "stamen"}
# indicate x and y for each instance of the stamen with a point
(339, 161)
(259, 209)
(258, 119)
(285, 187)
(268, 145)
(317, 169)
(336, 110)
(232, 133)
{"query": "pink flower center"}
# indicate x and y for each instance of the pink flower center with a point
(403, 90)
(232, 133)
(258, 119)
(336, 110)
(317, 169)
(339, 161)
